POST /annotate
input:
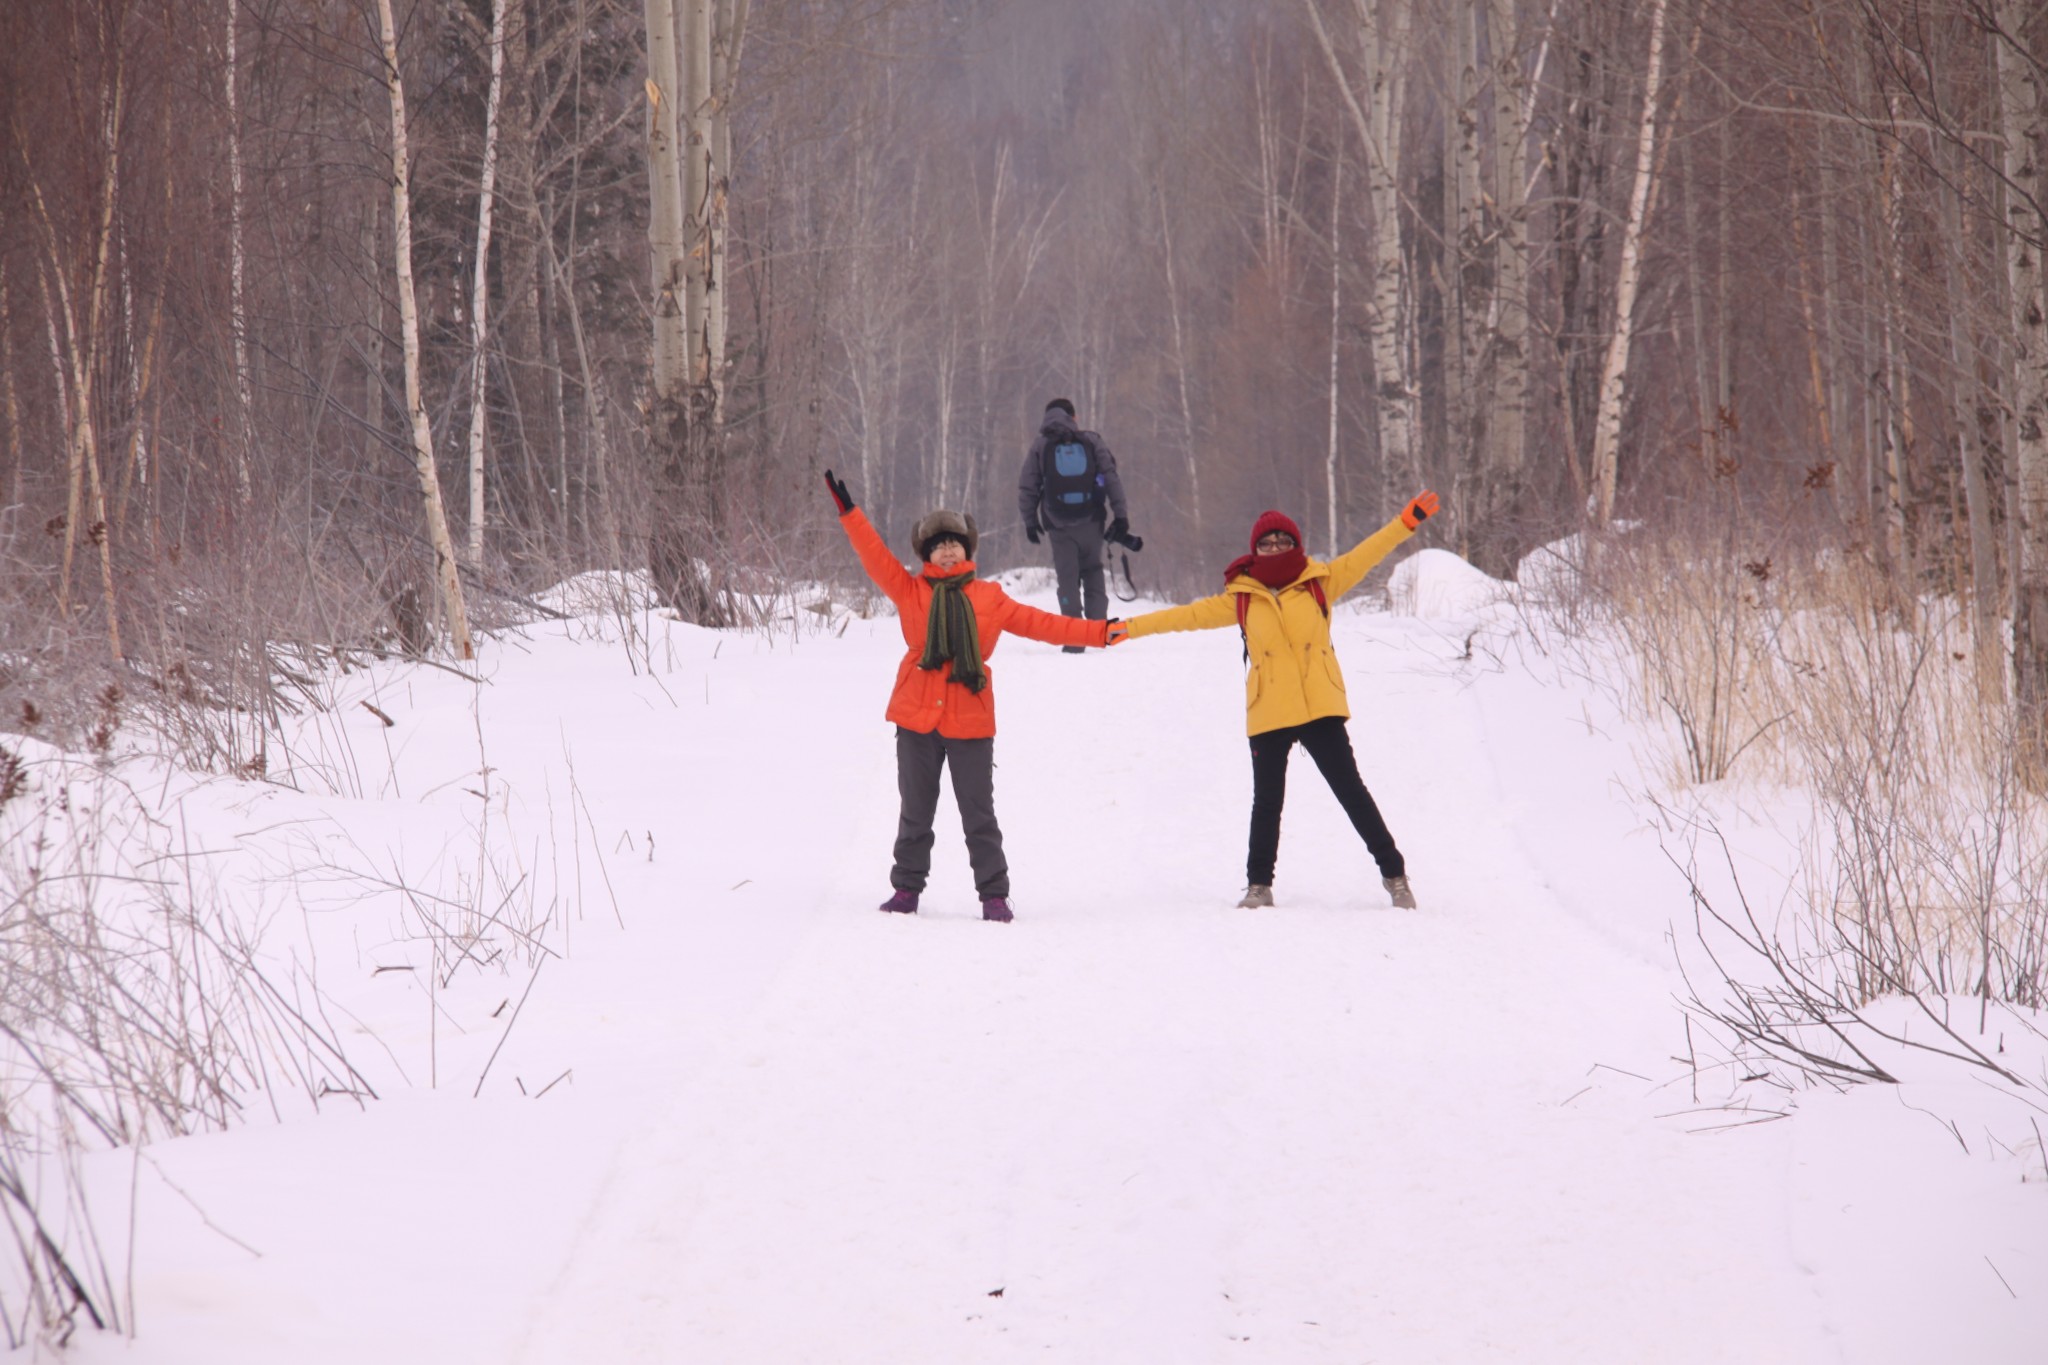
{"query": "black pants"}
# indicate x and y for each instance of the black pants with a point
(1329, 744)
(919, 760)
(1077, 565)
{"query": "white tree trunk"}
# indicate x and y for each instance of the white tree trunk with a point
(480, 287)
(728, 39)
(2023, 113)
(694, 111)
(1180, 367)
(1010, 255)
(1898, 385)
(1382, 28)
(75, 406)
(373, 346)
(80, 351)
(665, 245)
(10, 398)
(63, 385)
(1508, 311)
(946, 396)
(446, 575)
(1614, 373)
(1336, 332)
(238, 314)
(1466, 273)
(1987, 636)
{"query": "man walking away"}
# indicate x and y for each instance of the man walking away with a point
(1069, 477)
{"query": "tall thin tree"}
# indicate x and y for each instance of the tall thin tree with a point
(447, 576)
(2023, 117)
(480, 286)
(1614, 373)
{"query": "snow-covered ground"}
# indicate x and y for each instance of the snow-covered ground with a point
(734, 1115)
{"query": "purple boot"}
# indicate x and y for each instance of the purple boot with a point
(902, 903)
(996, 909)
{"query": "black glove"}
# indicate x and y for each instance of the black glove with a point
(1133, 542)
(837, 488)
(1115, 533)
(1031, 528)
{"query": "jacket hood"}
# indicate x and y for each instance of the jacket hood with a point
(1056, 424)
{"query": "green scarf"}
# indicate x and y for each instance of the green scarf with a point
(950, 633)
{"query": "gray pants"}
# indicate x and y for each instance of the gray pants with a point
(1077, 563)
(918, 761)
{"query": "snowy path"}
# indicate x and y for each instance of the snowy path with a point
(1164, 1129)
(794, 1131)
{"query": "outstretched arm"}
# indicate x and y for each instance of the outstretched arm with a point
(887, 571)
(1034, 624)
(1347, 569)
(1210, 613)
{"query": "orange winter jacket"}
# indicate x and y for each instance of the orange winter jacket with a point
(928, 699)
(1293, 678)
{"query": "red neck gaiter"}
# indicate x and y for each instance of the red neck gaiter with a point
(1275, 571)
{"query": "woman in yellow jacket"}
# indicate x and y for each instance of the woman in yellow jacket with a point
(1294, 692)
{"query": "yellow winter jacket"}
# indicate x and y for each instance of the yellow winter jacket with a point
(1294, 677)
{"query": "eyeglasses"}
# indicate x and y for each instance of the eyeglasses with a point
(1276, 540)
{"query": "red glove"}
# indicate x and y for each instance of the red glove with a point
(1420, 509)
(1116, 632)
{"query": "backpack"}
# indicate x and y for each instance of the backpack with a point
(1072, 480)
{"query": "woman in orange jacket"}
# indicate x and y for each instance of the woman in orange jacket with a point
(1294, 692)
(944, 705)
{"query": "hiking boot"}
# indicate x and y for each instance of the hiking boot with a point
(902, 903)
(1398, 888)
(1256, 897)
(996, 909)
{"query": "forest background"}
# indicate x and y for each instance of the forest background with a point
(1696, 265)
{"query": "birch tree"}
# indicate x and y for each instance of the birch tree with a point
(480, 292)
(446, 574)
(694, 111)
(238, 310)
(1465, 282)
(727, 41)
(1507, 316)
(10, 395)
(1180, 364)
(1011, 240)
(77, 316)
(2023, 116)
(1381, 29)
(1614, 373)
(1965, 390)
(665, 241)
(670, 538)
(1333, 544)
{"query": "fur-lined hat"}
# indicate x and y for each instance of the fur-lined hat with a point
(944, 523)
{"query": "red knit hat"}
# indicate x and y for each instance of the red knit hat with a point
(1274, 521)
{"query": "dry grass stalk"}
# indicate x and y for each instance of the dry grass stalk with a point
(1925, 875)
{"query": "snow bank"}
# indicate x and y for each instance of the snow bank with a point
(1437, 585)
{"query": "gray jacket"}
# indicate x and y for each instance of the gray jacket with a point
(1031, 499)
